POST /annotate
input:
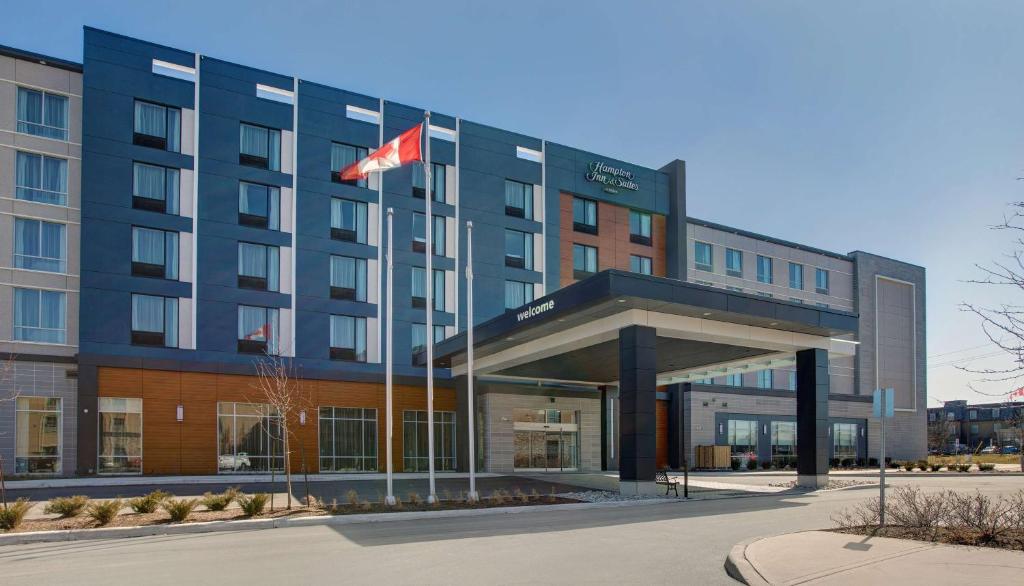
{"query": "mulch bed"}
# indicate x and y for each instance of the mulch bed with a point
(1013, 540)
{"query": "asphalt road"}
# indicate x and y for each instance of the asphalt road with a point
(679, 542)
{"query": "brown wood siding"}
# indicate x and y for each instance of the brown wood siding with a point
(661, 435)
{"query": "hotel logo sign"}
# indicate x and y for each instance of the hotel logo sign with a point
(613, 178)
(535, 310)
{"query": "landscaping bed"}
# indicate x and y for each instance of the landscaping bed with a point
(1011, 539)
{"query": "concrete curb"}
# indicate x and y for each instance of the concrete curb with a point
(741, 570)
(331, 520)
(93, 481)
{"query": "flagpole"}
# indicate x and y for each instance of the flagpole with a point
(473, 495)
(432, 498)
(387, 371)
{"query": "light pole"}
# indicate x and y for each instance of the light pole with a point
(473, 495)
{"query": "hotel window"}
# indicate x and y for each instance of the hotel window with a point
(783, 443)
(821, 281)
(120, 449)
(348, 278)
(258, 266)
(257, 329)
(791, 375)
(348, 439)
(249, 438)
(517, 294)
(154, 253)
(742, 440)
(518, 199)
(419, 337)
(348, 338)
(733, 262)
(584, 261)
(259, 205)
(844, 441)
(584, 215)
(639, 227)
(41, 179)
(519, 249)
(437, 179)
(39, 246)
(39, 316)
(640, 264)
(259, 147)
(764, 269)
(154, 320)
(348, 220)
(42, 114)
(734, 380)
(155, 188)
(38, 435)
(796, 276)
(414, 441)
(972, 414)
(343, 155)
(702, 257)
(764, 379)
(157, 126)
(419, 234)
(419, 288)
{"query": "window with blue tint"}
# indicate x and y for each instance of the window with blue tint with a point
(796, 276)
(792, 380)
(764, 269)
(419, 288)
(343, 155)
(348, 220)
(734, 380)
(517, 293)
(584, 260)
(419, 234)
(41, 179)
(258, 329)
(518, 199)
(39, 246)
(437, 179)
(584, 215)
(821, 281)
(519, 249)
(157, 126)
(348, 338)
(154, 320)
(155, 188)
(639, 227)
(259, 147)
(764, 379)
(702, 257)
(258, 266)
(39, 316)
(419, 337)
(733, 262)
(154, 253)
(42, 114)
(348, 278)
(259, 205)
(640, 264)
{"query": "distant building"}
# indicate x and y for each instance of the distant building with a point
(975, 426)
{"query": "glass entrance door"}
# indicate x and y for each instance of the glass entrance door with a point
(545, 440)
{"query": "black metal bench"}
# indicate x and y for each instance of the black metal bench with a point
(661, 477)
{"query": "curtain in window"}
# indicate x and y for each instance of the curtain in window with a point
(419, 337)
(55, 175)
(148, 246)
(252, 260)
(30, 106)
(439, 236)
(150, 119)
(520, 195)
(343, 331)
(26, 239)
(514, 243)
(260, 200)
(255, 141)
(172, 189)
(419, 282)
(275, 150)
(149, 181)
(439, 290)
(438, 179)
(419, 227)
(515, 294)
(51, 316)
(170, 322)
(343, 155)
(349, 273)
(51, 246)
(274, 220)
(55, 114)
(148, 313)
(338, 212)
(30, 168)
(174, 130)
(252, 323)
(527, 251)
(26, 314)
(273, 268)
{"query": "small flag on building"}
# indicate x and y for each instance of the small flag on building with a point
(1017, 394)
(401, 150)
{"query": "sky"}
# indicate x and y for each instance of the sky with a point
(892, 127)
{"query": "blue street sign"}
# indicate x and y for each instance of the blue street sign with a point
(876, 403)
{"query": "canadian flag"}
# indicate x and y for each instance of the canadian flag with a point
(1019, 393)
(401, 150)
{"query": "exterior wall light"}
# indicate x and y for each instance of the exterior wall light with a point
(180, 414)
(302, 417)
(721, 428)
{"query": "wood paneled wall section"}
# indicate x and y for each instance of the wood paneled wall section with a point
(611, 240)
(190, 447)
(661, 434)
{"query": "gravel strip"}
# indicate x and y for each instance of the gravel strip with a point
(604, 496)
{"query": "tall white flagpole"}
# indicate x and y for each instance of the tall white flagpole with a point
(387, 371)
(432, 498)
(473, 495)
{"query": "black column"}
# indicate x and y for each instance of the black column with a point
(637, 404)
(88, 386)
(812, 416)
(676, 425)
(675, 227)
(604, 428)
(462, 430)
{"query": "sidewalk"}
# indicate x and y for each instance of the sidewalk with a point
(84, 481)
(824, 557)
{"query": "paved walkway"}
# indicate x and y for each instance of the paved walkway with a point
(824, 557)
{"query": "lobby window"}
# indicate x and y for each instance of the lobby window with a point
(437, 180)
(519, 249)
(348, 439)
(414, 441)
(348, 338)
(584, 261)
(157, 126)
(419, 288)
(733, 262)
(518, 199)
(259, 266)
(154, 320)
(821, 281)
(348, 220)
(796, 276)
(259, 147)
(791, 380)
(844, 441)
(702, 257)
(764, 269)
(419, 337)
(155, 188)
(38, 434)
(517, 294)
(584, 215)
(640, 264)
(42, 114)
(734, 380)
(154, 253)
(764, 379)
(249, 438)
(39, 316)
(343, 155)
(783, 443)
(348, 278)
(41, 179)
(259, 206)
(742, 439)
(258, 329)
(39, 246)
(120, 436)
(419, 234)
(639, 227)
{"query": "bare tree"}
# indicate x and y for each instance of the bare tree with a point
(280, 387)
(940, 432)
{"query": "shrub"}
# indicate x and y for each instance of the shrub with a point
(935, 467)
(13, 514)
(908, 466)
(148, 503)
(366, 506)
(414, 498)
(104, 512)
(833, 462)
(180, 509)
(67, 506)
(873, 462)
(983, 467)
(253, 505)
(978, 512)
(963, 468)
(219, 502)
(766, 464)
(734, 464)
(860, 462)
(847, 463)
(353, 497)
(922, 465)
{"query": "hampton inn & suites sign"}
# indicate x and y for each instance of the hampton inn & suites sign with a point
(613, 178)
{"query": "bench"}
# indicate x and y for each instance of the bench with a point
(661, 477)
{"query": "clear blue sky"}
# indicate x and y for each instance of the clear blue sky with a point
(891, 127)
